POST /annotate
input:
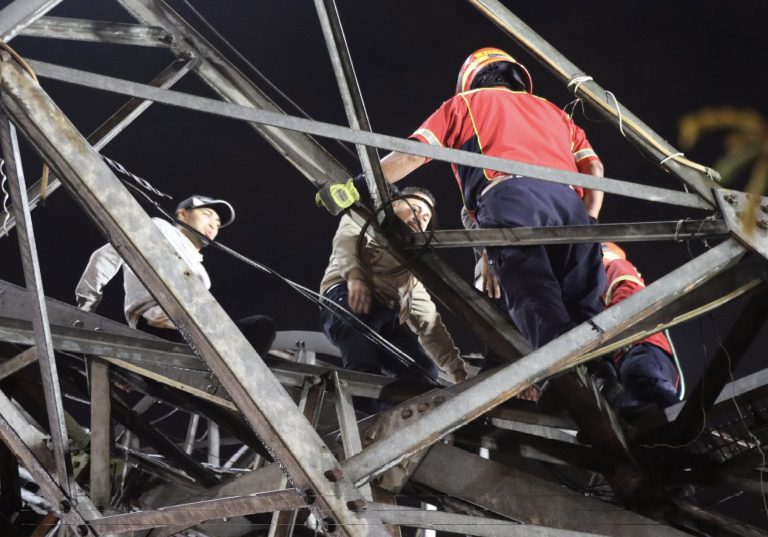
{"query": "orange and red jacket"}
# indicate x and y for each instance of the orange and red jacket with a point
(623, 281)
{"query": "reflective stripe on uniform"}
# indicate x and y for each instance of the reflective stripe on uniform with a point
(584, 153)
(429, 136)
(617, 281)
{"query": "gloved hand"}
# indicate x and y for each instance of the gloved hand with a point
(337, 197)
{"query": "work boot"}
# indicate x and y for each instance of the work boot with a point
(606, 380)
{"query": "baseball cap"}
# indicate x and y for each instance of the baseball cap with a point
(225, 211)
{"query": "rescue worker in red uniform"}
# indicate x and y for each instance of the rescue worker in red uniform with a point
(646, 370)
(548, 289)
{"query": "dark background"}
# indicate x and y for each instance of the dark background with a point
(661, 60)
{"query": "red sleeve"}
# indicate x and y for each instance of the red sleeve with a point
(623, 281)
(444, 127)
(582, 150)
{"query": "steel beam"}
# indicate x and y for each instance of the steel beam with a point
(19, 14)
(28, 395)
(352, 98)
(690, 420)
(166, 363)
(261, 480)
(526, 236)
(701, 521)
(698, 177)
(736, 208)
(467, 525)
(189, 514)
(310, 404)
(101, 434)
(729, 285)
(308, 156)
(34, 282)
(37, 454)
(527, 498)
(33, 438)
(116, 33)
(159, 360)
(48, 485)
(558, 355)
(350, 432)
(195, 312)
(134, 422)
(14, 303)
(104, 134)
(345, 413)
(18, 362)
(327, 130)
(536, 447)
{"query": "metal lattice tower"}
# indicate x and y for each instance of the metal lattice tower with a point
(299, 457)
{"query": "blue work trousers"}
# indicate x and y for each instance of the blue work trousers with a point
(548, 289)
(358, 353)
(648, 375)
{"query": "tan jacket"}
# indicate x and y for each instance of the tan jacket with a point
(402, 292)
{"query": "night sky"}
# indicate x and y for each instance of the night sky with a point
(661, 60)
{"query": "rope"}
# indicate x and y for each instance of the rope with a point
(6, 196)
(575, 83)
(618, 111)
(578, 81)
(671, 157)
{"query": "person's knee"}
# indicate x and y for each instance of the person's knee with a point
(259, 330)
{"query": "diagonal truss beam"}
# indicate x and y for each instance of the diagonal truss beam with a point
(18, 362)
(352, 98)
(745, 330)
(189, 514)
(12, 425)
(730, 284)
(328, 130)
(527, 498)
(20, 13)
(308, 156)
(200, 318)
(117, 33)
(264, 479)
(698, 177)
(562, 353)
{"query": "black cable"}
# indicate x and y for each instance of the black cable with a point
(335, 309)
(405, 267)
